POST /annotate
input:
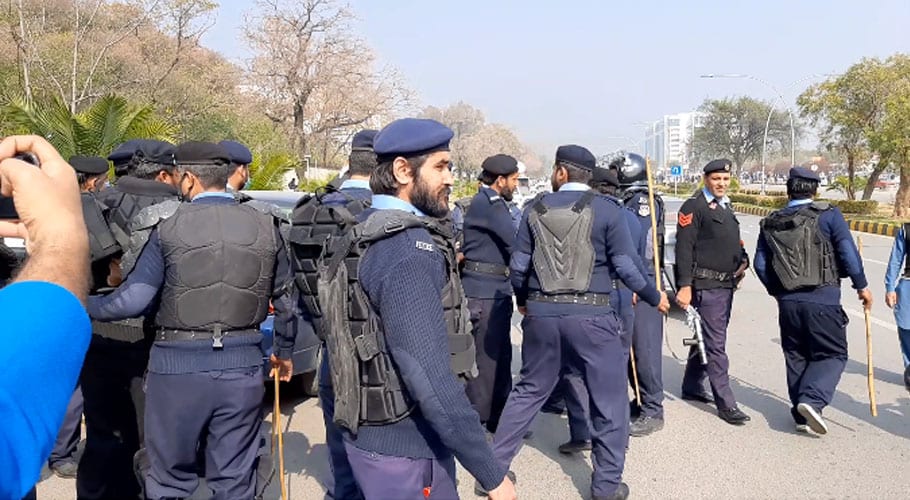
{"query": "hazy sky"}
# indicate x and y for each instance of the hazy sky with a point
(586, 71)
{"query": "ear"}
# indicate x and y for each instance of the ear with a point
(402, 171)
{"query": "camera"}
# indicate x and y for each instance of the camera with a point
(7, 208)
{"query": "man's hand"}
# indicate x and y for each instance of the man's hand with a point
(505, 491)
(865, 296)
(890, 299)
(523, 310)
(284, 367)
(50, 214)
(115, 276)
(634, 299)
(664, 305)
(684, 296)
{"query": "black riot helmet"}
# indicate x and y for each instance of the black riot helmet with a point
(631, 169)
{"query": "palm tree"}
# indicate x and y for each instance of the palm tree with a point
(95, 131)
(269, 169)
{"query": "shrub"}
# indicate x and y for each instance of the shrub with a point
(857, 207)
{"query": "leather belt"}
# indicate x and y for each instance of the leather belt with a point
(586, 299)
(486, 268)
(216, 335)
(710, 274)
(129, 330)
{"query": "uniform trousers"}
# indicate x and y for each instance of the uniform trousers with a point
(341, 485)
(647, 335)
(714, 306)
(70, 431)
(491, 321)
(401, 478)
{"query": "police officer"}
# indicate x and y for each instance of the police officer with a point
(710, 261)
(112, 375)
(215, 264)
(803, 252)
(315, 220)
(406, 311)
(488, 240)
(897, 288)
(91, 173)
(241, 158)
(648, 328)
(570, 245)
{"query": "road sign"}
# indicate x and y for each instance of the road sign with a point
(676, 170)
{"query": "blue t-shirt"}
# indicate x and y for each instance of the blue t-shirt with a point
(45, 335)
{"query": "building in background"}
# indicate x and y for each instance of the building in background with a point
(668, 141)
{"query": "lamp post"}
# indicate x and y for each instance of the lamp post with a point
(764, 145)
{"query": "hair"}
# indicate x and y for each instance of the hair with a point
(121, 168)
(801, 189)
(383, 179)
(83, 179)
(488, 178)
(361, 163)
(147, 170)
(576, 174)
(604, 187)
(210, 174)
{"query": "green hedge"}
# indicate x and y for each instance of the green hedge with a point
(857, 207)
(774, 202)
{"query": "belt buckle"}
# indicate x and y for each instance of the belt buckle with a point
(216, 338)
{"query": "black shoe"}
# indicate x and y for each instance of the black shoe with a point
(621, 493)
(634, 410)
(479, 491)
(574, 447)
(907, 378)
(733, 416)
(704, 397)
(66, 469)
(645, 425)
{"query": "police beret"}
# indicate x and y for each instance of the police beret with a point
(500, 165)
(200, 153)
(239, 154)
(125, 151)
(607, 175)
(576, 156)
(91, 165)
(363, 140)
(804, 173)
(155, 151)
(412, 137)
(721, 165)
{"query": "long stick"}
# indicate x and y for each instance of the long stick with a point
(870, 373)
(276, 430)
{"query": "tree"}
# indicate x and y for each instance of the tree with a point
(269, 169)
(734, 129)
(892, 139)
(95, 131)
(315, 78)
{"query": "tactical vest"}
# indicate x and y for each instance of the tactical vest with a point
(313, 224)
(101, 241)
(368, 388)
(563, 255)
(802, 257)
(125, 206)
(220, 261)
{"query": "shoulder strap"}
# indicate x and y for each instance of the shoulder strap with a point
(142, 224)
(583, 202)
(821, 206)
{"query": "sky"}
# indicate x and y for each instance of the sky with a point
(591, 72)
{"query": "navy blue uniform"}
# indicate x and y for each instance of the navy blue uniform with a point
(220, 391)
(647, 331)
(488, 240)
(813, 325)
(342, 484)
(403, 276)
(591, 333)
(70, 432)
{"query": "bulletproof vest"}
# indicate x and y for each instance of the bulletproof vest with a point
(802, 257)
(313, 224)
(907, 250)
(125, 206)
(642, 208)
(101, 241)
(220, 261)
(563, 255)
(368, 388)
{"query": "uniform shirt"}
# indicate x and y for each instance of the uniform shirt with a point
(639, 204)
(895, 282)
(707, 236)
(488, 237)
(614, 255)
(137, 295)
(40, 359)
(832, 226)
(403, 276)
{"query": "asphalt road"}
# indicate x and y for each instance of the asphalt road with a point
(697, 455)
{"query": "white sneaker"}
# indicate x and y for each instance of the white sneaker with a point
(802, 428)
(813, 418)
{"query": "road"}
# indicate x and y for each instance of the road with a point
(697, 455)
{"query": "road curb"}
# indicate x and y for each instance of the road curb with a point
(862, 226)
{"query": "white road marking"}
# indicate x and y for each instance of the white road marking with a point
(859, 314)
(875, 262)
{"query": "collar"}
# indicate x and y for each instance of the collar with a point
(213, 194)
(135, 185)
(574, 186)
(386, 202)
(798, 203)
(725, 201)
(491, 193)
(355, 184)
